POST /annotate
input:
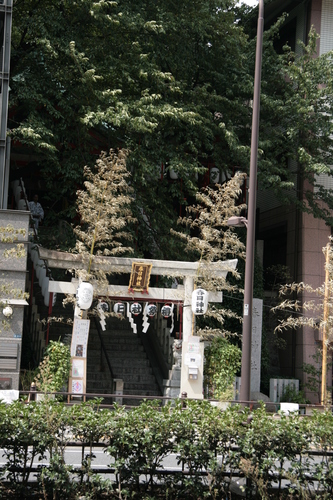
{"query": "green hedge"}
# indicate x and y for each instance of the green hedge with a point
(272, 452)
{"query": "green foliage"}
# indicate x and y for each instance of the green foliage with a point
(24, 437)
(295, 138)
(314, 373)
(222, 362)
(54, 369)
(172, 84)
(291, 395)
(268, 449)
(269, 445)
(12, 248)
(105, 213)
(167, 82)
(105, 207)
(26, 378)
(139, 441)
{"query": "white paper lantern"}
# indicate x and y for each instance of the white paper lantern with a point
(17, 193)
(102, 306)
(45, 286)
(7, 311)
(84, 295)
(119, 308)
(42, 275)
(151, 310)
(22, 205)
(166, 311)
(136, 308)
(33, 253)
(14, 184)
(199, 301)
(39, 266)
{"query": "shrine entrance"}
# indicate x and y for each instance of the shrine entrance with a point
(192, 349)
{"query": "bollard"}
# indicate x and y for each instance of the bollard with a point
(32, 393)
(183, 396)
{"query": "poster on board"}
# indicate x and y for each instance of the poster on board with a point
(80, 338)
(78, 368)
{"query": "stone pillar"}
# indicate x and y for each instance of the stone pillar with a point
(256, 345)
(118, 390)
(192, 387)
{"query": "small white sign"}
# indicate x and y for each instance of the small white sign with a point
(193, 360)
(193, 348)
(77, 368)
(77, 386)
(8, 396)
(246, 309)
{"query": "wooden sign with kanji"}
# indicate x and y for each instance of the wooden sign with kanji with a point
(140, 276)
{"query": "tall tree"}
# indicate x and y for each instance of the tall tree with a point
(295, 140)
(208, 239)
(172, 83)
(105, 211)
(167, 81)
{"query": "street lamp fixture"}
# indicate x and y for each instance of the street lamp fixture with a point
(236, 221)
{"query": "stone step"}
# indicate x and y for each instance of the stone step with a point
(136, 379)
(145, 370)
(120, 338)
(114, 344)
(139, 362)
(120, 347)
(114, 355)
(140, 392)
(135, 363)
(126, 353)
(123, 334)
(99, 386)
(92, 374)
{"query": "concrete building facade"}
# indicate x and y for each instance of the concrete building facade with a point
(292, 238)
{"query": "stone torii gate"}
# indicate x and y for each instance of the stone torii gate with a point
(188, 271)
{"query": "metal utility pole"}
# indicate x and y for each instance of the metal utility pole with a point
(6, 8)
(323, 398)
(245, 389)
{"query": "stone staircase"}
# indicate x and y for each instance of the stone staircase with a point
(128, 360)
(125, 350)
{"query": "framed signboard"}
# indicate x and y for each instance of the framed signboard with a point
(140, 276)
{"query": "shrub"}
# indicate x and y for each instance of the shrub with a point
(54, 369)
(275, 453)
(222, 361)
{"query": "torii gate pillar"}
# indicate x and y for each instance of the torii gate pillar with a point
(193, 388)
